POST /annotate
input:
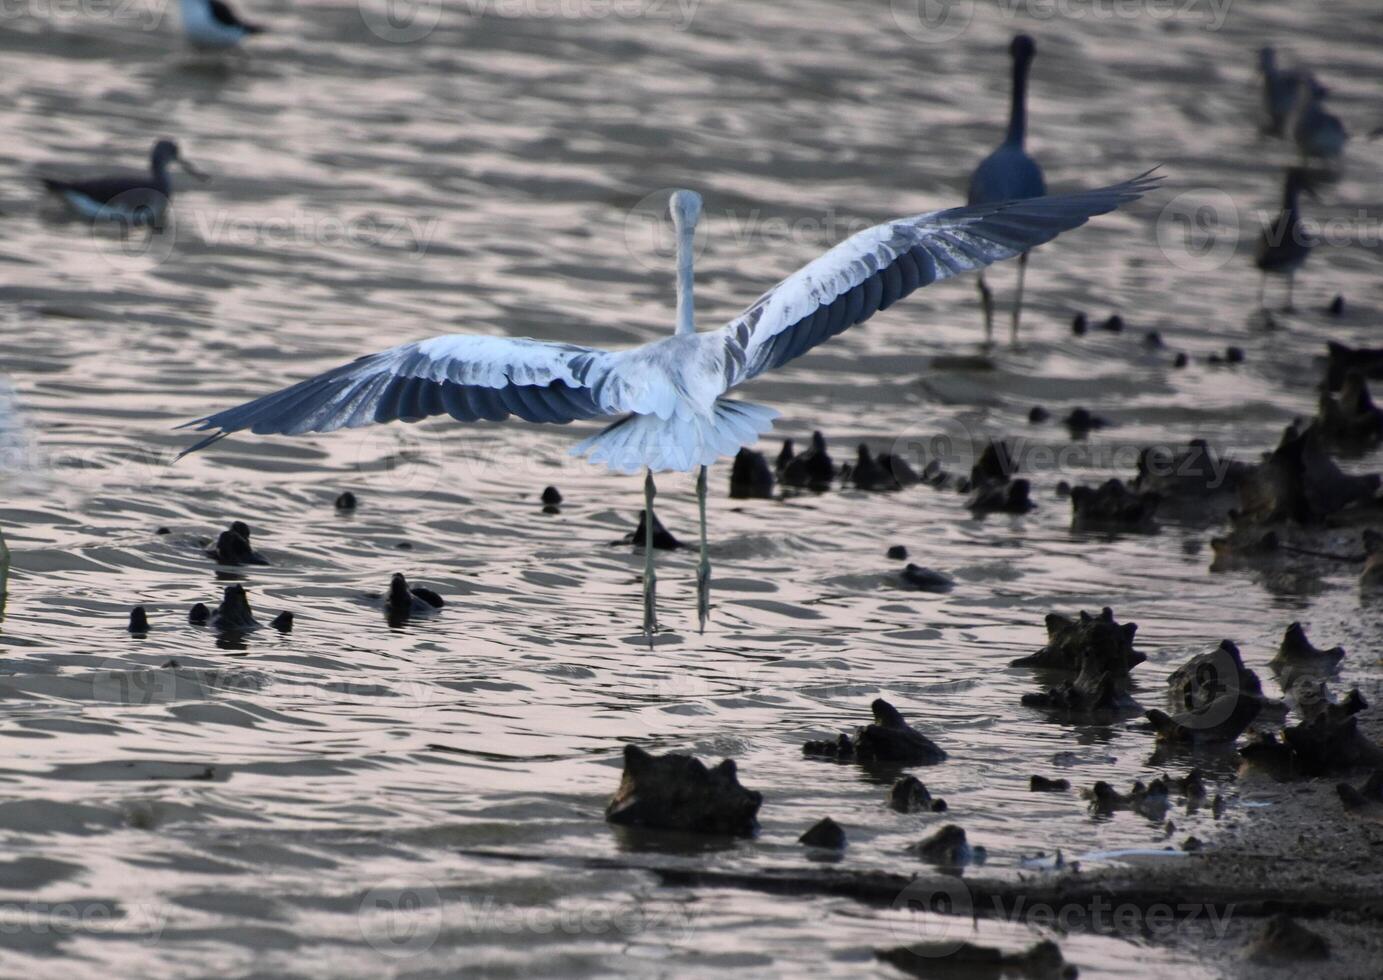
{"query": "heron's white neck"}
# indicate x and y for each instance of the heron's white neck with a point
(686, 233)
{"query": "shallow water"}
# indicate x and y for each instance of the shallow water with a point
(300, 803)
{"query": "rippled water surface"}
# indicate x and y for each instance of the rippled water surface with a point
(267, 804)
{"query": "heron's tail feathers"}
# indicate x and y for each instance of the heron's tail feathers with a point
(639, 441)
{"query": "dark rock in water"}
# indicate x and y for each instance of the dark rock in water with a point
(995, 465)
(283, 622)
(926, 579)
(1337, 306)
(1081, 422)
(750, 476)
(171, 664)
(1326, 745)
(1192, 787)
(1080, 325)
(164, 530)
(1234, 355)
(934, 475)
(1151, 800)
(1297, 653)
(1013, 497)
(992, 486)
(825, 833)
(233, 547)
(1367, 800)
(899, 470)
(1095, 696)
(1300, 483)
(1041, 784)
(346, 501)
(404, 601)
(970, 962)
(1153, 339)
(662, 537)
(865, 474)
(1038, 415)
(910, 795)
(233, 614)
(1208, 676)
(1222, 720)
(1086, 643)
(1181, 360)
(888, 741)
(897, 552)
(552, 497)
(1063, 489)
(1192, 845)
(1264, 753)
(1350, 421)
(1341, 360)
(199, 614)
(1112, 506)
(948, 848)
(1188, 476)
(1113, 324)
(1313, 700)
(139, 620)
(1283, 940)
(811, 469)
(678, 792)
(784, 457)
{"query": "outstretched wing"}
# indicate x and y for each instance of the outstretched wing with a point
(468, 378)
(875, 268)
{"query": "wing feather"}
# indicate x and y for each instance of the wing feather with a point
(879, 266)
(469, 378)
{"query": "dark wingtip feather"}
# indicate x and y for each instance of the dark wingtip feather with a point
(214, 437)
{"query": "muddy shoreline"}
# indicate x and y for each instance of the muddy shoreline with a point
(1284, 851)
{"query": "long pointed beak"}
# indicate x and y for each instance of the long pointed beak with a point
(203, 177)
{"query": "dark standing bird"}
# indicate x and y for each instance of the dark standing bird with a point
(1009, 174)
(139, 199)
(212, 24)
(1318, 133)
(1284, 245)
(1280, 90)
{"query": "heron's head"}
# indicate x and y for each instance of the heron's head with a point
(1022, 49)
(685, 208)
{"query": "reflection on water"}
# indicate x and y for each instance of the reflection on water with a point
(309, 793)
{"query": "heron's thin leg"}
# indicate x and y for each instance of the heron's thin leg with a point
(1018, 303)
(703, 570)
(987, 305)
(650, 579)
(4, 572)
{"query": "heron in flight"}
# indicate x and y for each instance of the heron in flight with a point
(668, 397)
(1009, 174)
